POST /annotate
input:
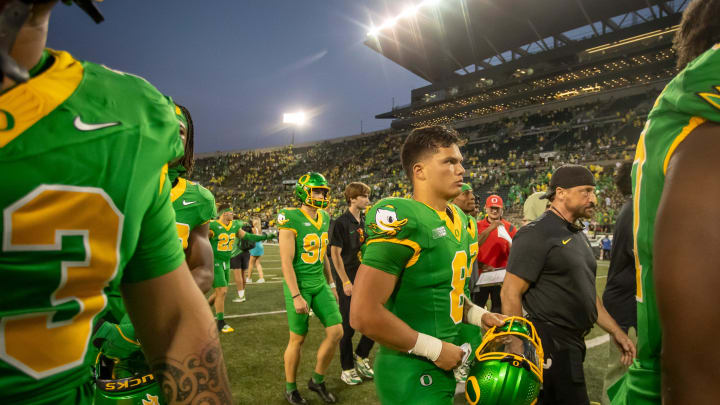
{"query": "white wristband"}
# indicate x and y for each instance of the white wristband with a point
(475, 313)
(427, 346)
(332, 285)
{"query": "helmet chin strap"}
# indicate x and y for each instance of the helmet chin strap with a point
(12, 18)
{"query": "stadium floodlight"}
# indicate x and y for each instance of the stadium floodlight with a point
(296, 118)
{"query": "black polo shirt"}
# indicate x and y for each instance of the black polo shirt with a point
(558, 262)
(348, 234)
(619, 295)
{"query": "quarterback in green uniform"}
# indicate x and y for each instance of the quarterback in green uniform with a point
(223, 234)
(676, 197)
(409, 294)
(86, 211)
(308, 282)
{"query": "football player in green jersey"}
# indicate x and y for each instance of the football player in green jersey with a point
(676, 197)
(308, 282)
(470, 334)
(194, 207)
(86, 211)
(223, 234)
(409, 293)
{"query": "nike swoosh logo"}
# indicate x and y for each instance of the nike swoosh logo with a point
(565, 242)
(188, 202)
(82, 126)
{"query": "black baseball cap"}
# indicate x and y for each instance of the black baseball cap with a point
(569, 176)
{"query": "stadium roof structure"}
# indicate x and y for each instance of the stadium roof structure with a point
(442, 39)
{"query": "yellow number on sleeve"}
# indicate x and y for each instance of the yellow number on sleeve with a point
(183, 231)
(34, 342)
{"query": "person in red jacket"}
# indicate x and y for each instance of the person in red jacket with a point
(494, 238)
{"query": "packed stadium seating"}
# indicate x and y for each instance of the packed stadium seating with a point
(509, 157)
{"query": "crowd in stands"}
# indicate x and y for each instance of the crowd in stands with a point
(617, 73)
(511, 157)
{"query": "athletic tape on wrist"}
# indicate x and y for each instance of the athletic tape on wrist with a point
(427, 346)
(475, 313)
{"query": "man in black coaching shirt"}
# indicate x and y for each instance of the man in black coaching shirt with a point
(551, 274)
(347, 235)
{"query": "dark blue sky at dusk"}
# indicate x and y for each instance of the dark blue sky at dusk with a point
(238, 65)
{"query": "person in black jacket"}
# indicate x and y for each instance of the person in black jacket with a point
(619, 295)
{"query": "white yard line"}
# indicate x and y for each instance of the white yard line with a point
(600, 340)
(255, 314)
(255, 282)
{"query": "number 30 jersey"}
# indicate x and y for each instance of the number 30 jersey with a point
(311, 242)
(85, 206)
(429, 252)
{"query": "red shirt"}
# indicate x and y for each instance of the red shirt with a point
(495, 251)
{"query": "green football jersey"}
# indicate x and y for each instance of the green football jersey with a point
(690, 99)
(311, 243)
(194, 205)
(86, 207)
(223, 238)
(472, 231)
(429, 252)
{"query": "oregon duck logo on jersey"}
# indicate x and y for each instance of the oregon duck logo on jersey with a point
(386, 221)
(281, 219)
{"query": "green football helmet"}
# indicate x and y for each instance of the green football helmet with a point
(140, 389)
(508, 367)
(122, 375)
(306, 184)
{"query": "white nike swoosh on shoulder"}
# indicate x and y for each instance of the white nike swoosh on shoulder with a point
(188, 202)
(82, 126)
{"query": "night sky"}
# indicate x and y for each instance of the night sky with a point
(239, 65)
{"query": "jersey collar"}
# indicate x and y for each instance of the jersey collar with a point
(229, 225)
(27, 103)
(317, 223)
(454, 224)
(178, 190)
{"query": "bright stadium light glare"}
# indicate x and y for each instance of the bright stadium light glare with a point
(389, 23)
(408, 12)
(431, 2)
(373, 32)
(296, 118)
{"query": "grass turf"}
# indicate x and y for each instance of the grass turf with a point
(254, 352)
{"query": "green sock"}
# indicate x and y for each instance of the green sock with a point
(290, 387)
(318, 378)
(220, 316)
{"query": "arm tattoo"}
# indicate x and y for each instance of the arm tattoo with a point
(200, 378)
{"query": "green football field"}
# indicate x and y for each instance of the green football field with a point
(254, 352)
